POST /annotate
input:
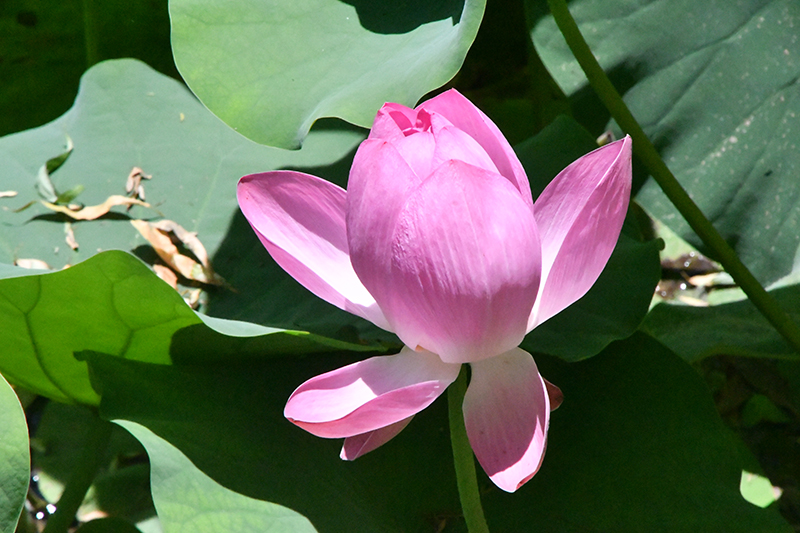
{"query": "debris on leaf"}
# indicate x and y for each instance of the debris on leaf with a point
(134, 186)
(67, 196)
(8, 194)
(164, 234)
(192, 298)
(34, 264)
(24, 207)
(166, 274)
(44, 186)
(69, 236)
(95, 211)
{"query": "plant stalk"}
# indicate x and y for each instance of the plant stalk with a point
(463, 459)
(91, 32)
(648, 155)
(81, 477)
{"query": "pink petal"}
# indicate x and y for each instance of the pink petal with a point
(506, 412)
(369, 395)
(380, 180)
(391, 121)
(357, 445)
(580, 215)
(452, 143)
(554, 394)
(465, 265)
(416, 151)
(300, 220)
(465, 116)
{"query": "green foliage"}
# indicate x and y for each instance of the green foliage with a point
(47, 45)
(195, 161)
(14, 458)
(637, 445)
(316, 58)
(188, 500)
(115, 304)
(734, 328)
(716, 89)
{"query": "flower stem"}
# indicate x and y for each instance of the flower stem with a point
(648, 155)
(463, 458)
(81, 477)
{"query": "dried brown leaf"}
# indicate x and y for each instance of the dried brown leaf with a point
(158, 235)
(188, 238)
(35, 264)
(135, 179)
(167, 274)
(69, 236)
(93, 212)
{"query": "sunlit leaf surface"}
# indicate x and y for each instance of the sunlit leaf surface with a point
(188, 500)
(316, 58)
(715, 86)
(14, 458)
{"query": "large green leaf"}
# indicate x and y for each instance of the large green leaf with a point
(271, 68)
(227, 419)
(14, 458)
(188, 500)
(636, 446)
(115, 304)
(715, 86)
(126, 115)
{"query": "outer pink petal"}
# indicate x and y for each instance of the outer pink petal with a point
(464, 115)
(465, 265)
(300, 220)
(357, 445)
(380, 181)
(580, 215)
(506, 412)
(369, 395)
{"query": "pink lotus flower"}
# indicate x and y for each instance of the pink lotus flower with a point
(438, 239)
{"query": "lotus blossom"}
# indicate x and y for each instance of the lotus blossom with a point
(439, 240)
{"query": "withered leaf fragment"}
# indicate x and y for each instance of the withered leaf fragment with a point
(161, 236)
(93, 212)
(33, 264)
(166, 274)
(134, 186)
(69, 236)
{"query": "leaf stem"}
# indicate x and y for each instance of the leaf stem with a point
(81, 476)
(91, 32)
(463, 458)
(648, 155)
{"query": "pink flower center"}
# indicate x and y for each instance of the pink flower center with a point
(422, 124)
